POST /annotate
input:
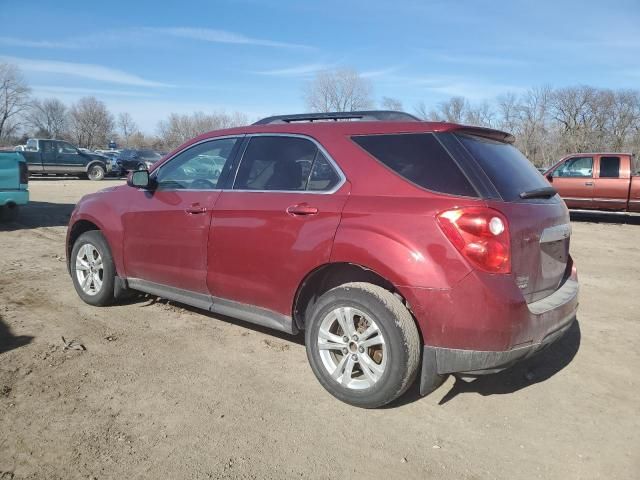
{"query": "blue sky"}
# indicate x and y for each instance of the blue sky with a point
(153, 58)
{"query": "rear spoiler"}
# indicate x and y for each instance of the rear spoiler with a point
(487, 133)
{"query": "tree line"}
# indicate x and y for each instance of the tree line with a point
(88, 123)
(547, 122)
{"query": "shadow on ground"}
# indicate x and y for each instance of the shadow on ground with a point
(8, 341)
(534, 370)
(145, 300)
(605, 217)
(39, 214)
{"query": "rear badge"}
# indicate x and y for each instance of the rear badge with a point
(522, 281)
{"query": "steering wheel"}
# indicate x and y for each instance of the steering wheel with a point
(202, 184)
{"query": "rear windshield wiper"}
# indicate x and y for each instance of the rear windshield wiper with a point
(544, 192)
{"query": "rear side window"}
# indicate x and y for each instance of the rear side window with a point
(419, 158)
(507, 168)
(609, 167)
(323, 176)
(282, 163)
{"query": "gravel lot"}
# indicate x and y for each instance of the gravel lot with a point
(163, 391)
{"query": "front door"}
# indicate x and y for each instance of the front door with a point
(68, 159)
(277, 223)
(166, 228)
(573, 180)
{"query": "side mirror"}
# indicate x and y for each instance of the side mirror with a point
(138, 179)
(550, 177)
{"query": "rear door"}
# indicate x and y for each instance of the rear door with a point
(277, 223)
(573, 180)
(48, 156)
(611, 183)
(166, 229)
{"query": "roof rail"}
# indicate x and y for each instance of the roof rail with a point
(365, 115)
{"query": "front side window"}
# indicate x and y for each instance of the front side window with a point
(282, 163)
(66, 148)
(609, 167)
(197, 168)
(575, 167)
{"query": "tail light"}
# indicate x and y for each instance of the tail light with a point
(24, 173)
(481, 234)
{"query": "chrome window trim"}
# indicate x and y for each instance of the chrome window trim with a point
(319, 146)
(154, 174)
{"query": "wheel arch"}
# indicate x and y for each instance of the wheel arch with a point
(331, 275)
(95, 162)
(78, 228)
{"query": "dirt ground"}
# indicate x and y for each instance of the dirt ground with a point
(163, 391)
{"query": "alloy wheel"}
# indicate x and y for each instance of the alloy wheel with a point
(89, 269)
(352, 348)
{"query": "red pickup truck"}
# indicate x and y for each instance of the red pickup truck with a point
(598, 181)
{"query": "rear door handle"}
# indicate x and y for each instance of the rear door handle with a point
(302, 209)
(195, 209)
(589, 184)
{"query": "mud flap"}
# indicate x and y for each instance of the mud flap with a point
(430, 380)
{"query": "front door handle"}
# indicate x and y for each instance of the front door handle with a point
(589, 184)
(302, 209)
(195, 209)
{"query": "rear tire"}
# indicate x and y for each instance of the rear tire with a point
(377, 358)
(92, 269)
(96, 172)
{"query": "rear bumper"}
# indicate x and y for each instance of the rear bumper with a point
(486, 326)
(477, 362)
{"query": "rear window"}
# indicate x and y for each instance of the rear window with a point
(507, 168)
(609, 167)
(419, 158)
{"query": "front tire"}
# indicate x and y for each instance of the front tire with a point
(96, 172)
(362, 344)
(92, 269)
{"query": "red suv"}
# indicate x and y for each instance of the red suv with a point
(400, 247)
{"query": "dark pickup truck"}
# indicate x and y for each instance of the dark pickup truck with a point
(60, 157)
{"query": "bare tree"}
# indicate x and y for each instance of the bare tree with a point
(14, 98)
(389, 103)
(481, 115)
(422, 111)
(91, 124)
(453, 110)
(342, 90)
(127, 127)
(177, 129)
(48, 117)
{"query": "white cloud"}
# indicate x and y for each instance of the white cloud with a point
(84, 70)
(495, 61)
(378, 73)
(41, 90)
(220, 36)
(19, 42)
(298, 70)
